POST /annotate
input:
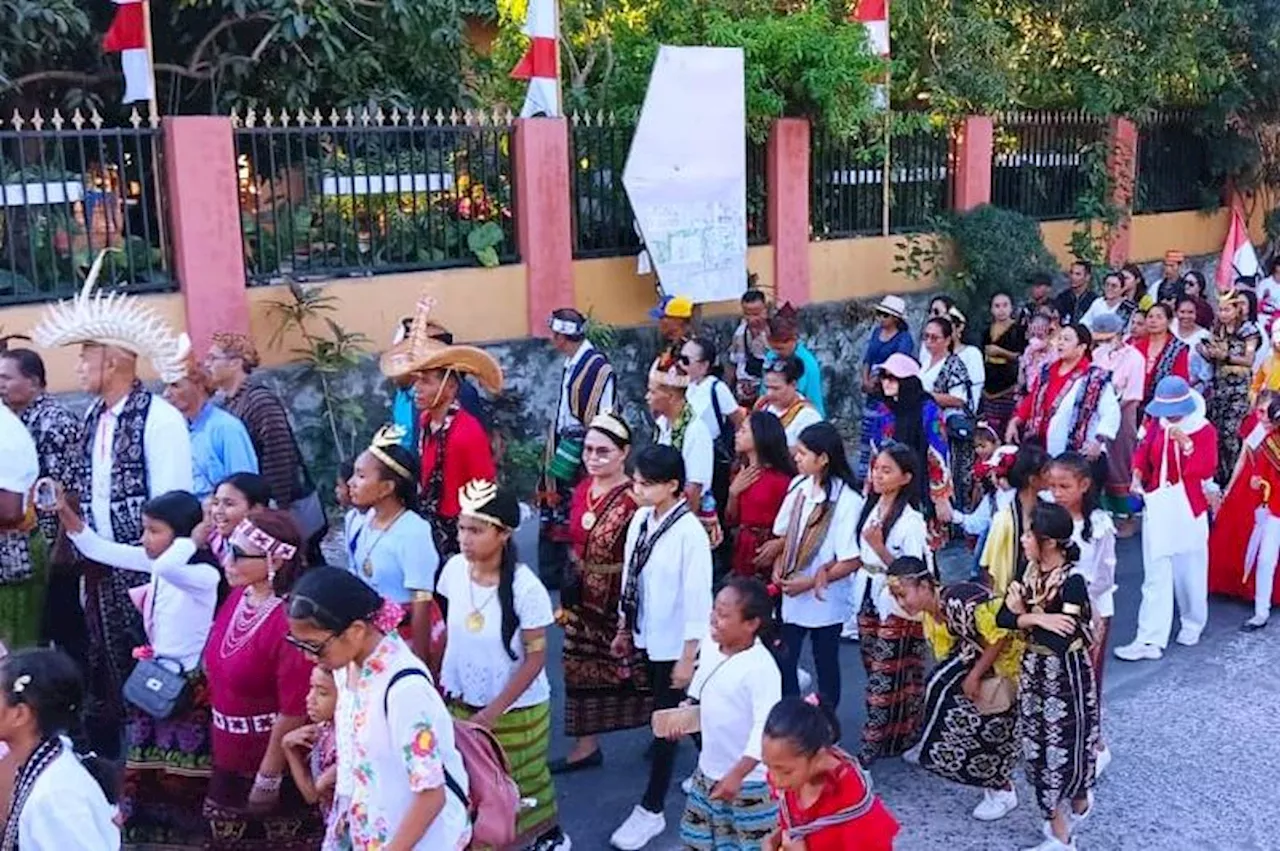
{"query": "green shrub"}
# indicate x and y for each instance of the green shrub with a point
(994, 249)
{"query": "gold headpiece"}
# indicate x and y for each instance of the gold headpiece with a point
(612, 424)
(112, 319)
(483, 500)
(419, 352)
(387, 436)
(673, 376)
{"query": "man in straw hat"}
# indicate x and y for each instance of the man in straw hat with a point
(135, 447)
(404, 412)
(453, 445)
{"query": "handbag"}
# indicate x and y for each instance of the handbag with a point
(995, 695)
(1180, 531)
(157, 689)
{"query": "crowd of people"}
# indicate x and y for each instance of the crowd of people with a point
(169, 606)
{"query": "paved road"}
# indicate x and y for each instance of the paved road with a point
(1196, 739)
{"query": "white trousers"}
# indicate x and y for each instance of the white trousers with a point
(1184, 577)
(1268, 554)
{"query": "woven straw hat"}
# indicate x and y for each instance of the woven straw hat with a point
(419, 352)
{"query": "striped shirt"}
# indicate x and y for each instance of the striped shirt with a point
(278, 460)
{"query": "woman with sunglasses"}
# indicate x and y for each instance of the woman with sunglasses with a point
(407, 791)
(783, 399)
(258, 690)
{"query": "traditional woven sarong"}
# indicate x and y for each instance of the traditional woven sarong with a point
(741, 824)
(893, 655)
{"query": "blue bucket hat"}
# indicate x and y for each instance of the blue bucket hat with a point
(1173, 398)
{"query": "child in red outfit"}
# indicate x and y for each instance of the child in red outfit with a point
(825, 801)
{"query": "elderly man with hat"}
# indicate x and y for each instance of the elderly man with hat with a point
(453, 447)
(135, 448)
(1128, 379)
(587, 388)
(1177, 455)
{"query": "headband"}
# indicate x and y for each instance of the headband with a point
(248, 533)
(568, 327)
(612, 425)
(477, 498)
(390, 435)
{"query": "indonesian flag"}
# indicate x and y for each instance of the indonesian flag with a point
(1238, 258)
(874, 15)
(538, 65)
(127, 36)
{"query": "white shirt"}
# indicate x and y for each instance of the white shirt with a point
(735, 694)
(19, 463)
(66, 811)
(908, 537)
(402, 742)
(840, 544)
(564, 416)
(166, 445)
(181, 598)
(697, 451)
(699, 398)
(805, 417)
(1097, 563)
(476, 666)
(674, 587)
(929, 376)
(971, 357)
(1105, 424)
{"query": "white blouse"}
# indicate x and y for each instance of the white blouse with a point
(735, 694)
(674, 587)
(840, 544)
(805, 417)
(476, 666)
(66, 811)
(1097, 562)
(908, 537)
(178, 609)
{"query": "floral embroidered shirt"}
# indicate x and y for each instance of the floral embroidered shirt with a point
(402, 744)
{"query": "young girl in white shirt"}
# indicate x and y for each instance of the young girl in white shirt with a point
(730, 805)
(59, 802)
(820, 551)
(892, 642)
(494, 670)
(168, 760)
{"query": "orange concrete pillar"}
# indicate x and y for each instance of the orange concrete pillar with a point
(544, 224)
(204, 221)
(788, 183)
(971, 185)
(1122, 167)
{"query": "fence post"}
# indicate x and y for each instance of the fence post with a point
(204, 219)
(1122, 168)
(544, 224)
(787, 183)
(975, 139)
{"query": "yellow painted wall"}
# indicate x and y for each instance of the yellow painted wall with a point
(1191, 233)
(857, 268)
(60, 364)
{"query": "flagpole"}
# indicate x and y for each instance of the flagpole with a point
(154, 121)
(555, 5)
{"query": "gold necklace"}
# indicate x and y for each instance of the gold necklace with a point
(367, 567)
(475, 621)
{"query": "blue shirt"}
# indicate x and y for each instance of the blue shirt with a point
(810, 384)
(220, 446)
(878, 350)
(395, 561)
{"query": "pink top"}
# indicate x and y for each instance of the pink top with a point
(1128, 370)
(253, 676)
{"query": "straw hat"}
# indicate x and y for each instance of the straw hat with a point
(893, 305)
(419, 352)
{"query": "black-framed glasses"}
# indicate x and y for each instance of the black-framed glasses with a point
(684, 360)
(237, 554)
(310, 648)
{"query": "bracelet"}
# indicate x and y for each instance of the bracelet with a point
(535, 645)
(421, 597)
(267, 782)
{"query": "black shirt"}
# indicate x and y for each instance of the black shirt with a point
(1071, 307)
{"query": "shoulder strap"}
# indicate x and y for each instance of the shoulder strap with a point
(386, 699)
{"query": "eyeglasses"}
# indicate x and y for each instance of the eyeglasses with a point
(310, 648)
(238, 554)
(601, 451)
(934, 337)
(684, 360)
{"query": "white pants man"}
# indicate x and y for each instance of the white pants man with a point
(1183, 577)
(1268, 553)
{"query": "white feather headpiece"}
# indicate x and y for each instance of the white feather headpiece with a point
(113, 319)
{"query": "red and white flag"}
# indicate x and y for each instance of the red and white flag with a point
(874, 15)
(1238, 257)
(539, 64)
(127, 36)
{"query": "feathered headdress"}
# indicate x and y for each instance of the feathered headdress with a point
(113, 319)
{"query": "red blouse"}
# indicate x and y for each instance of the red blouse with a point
(758, 506)
(468, 456)
(844, 788)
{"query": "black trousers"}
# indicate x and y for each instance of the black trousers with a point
(665, 696)
(826, 660)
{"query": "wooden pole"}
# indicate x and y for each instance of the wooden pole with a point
(559, 82)
(888, 139)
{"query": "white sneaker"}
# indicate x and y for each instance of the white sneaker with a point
(1053, 843)
(1078, 819)
(1101, 761)
(912, 755)
(995, 804)
(1137, 651)
(850, 630)
(638, 830)
(1187, 638)
(687, 785)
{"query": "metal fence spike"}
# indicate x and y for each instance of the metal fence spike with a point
(37, 121)
(57, 121)
(134, 118)
(395, 117)
(77, 118)
(348, 117)
(94, 118)
(268, 119)
(380, 117)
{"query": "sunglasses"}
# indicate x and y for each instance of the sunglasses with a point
(237, 554)
(310, 648)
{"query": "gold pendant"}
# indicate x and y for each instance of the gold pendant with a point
(475, 622)
(589, 521)
(368, 568)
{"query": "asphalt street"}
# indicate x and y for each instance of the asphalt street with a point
(1196, 739)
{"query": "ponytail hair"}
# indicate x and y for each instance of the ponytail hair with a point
(1052, 522)
(754, 604)
(808, 727)
(507, 596)
(1079, 466)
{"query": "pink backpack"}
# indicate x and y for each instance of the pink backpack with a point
(494, 800)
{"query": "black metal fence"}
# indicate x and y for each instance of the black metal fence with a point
(325, 196)
(603, 222)
(1173, 165)
(1040, 161)
(71, 188)
(919, 178)
(846, 187)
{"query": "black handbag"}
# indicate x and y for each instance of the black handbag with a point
(157, 689)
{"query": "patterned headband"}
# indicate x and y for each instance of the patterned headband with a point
(390, 435)
(248, 533)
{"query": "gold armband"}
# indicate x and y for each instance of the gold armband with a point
(535, 645)
(421, 597)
